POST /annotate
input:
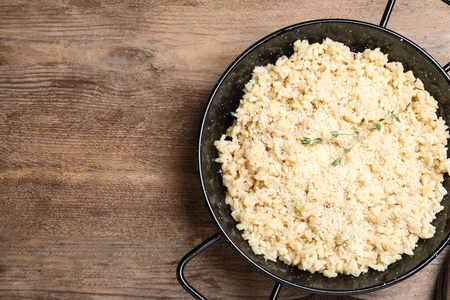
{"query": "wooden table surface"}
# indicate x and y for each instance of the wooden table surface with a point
(100, 104)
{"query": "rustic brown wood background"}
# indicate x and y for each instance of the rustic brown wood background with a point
(100, 103)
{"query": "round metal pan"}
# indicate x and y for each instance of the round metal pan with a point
(217, 118)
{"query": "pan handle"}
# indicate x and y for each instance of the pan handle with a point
(387, 13)
(276, 290)
(184, 261)
(446, 67)
(197, 250)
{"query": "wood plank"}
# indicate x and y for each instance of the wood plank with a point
(100, 103)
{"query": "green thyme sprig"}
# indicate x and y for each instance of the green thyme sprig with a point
(320, 140)
(359, 135)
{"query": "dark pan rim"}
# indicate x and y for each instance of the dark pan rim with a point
(205, 195)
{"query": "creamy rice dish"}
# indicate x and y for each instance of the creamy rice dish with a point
(291, 203)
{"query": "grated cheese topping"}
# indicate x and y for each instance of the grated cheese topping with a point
(291, 203)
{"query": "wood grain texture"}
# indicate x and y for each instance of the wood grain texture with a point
(100, 103)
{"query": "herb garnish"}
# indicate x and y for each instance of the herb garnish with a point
(360, 135)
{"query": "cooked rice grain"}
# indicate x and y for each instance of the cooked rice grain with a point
(288, 199)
